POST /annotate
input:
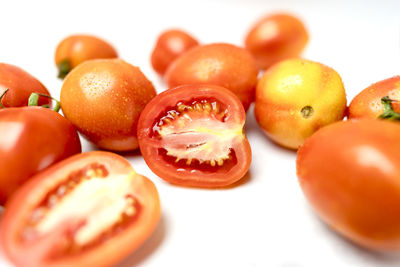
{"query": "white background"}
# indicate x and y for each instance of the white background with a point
(264, 221)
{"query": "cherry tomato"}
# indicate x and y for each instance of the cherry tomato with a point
(193, 135)
(276, 37)
(32, 139)
(76, 49)
(296, 97)
(225, 65)
(368, 103)
(20, 85)
(89, 210)
(103, 98)
(349, 171)
(170, 44)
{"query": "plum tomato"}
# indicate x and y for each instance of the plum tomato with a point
(349, 171)
(103, 98)
(276, 37)
(170, 44)
(92, 209)
(76, 49)
(220, 64)
(32, 139)
(20, 85)
(296, 97)
(368, 103)
(193, 135)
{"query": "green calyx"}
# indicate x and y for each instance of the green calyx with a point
(64, 67)
(1, 98)
(388, 112)
(34, 99)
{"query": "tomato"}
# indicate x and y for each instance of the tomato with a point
(193, 135)
(276, 37)
(368, 104)
(20, 85)
(296, 97)
(349, 172)
(103, 98)
(76, 49)
(92, 209)
(170, 44)
(225, 65)
(32, 139)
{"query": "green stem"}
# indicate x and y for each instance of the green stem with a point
(63, 68)
(1, 98)
(388, 112)
(34, 99)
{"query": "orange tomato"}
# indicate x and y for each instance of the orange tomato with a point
(76, 49)
(103, 98)
(276, 37)
(170, 44)
(349, 171)
(225, 65)
(296, 97)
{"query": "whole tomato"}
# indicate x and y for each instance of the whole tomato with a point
(296, 97)
(170, 44)
(103, 98)
(76, 49)
(221, 64)
(20, 85)
(32, 139)
(368, 103)
(349, 171)
(276, 37)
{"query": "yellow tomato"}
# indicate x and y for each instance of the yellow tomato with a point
(296, 97)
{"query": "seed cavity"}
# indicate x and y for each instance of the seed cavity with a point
(307, 112)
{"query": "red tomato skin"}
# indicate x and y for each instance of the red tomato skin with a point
(32, 139)
(170, 45)
(192, 177)
(350, 173)
(108, 253)
(20, 85)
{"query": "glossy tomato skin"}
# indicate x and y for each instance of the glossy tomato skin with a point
(20, 85)
(367, 104)
(32, 139)
(170, 44)
(46, 249)
(194, 174)
(103, 98)
(276, 37)
(76, 49)
(349, 171)
(220, 64)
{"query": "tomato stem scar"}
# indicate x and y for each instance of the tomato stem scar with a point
(307, 112)
(1, 98)
(34, 98)
(63, 68)
(388, 112)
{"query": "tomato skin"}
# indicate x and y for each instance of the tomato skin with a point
(103, 98)
(104, 254)
(220, 64)
(32, 139)
(367, 104)
(20, 85)
(349, 171)
(276, 37)
(190, 176)
(170, 44)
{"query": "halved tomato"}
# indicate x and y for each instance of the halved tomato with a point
(89, 210)
(193, 135)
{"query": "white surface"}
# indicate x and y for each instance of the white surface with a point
(265, 221)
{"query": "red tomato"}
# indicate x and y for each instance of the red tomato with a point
(350, 171)
(103, 98)
(170, 44)
(225, 65)
(20, 85)
(276, 37)
(193, 135)
(32, 139)
(89, 210)
(368, 104)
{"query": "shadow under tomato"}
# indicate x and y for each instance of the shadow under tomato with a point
(147, 247)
